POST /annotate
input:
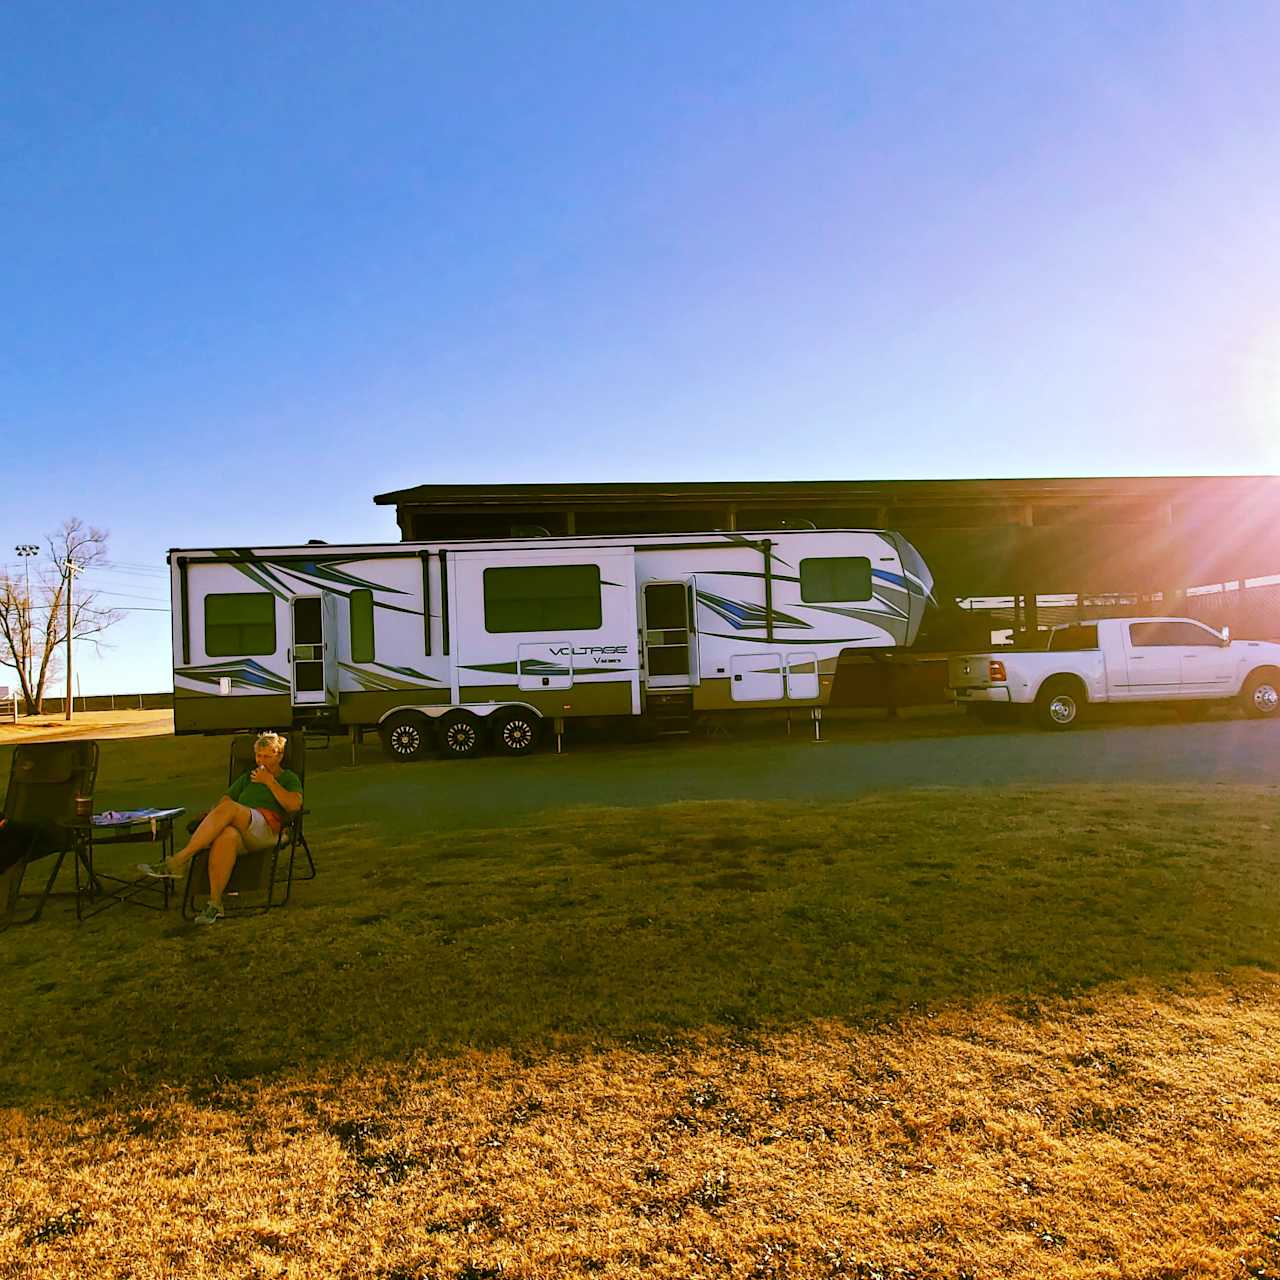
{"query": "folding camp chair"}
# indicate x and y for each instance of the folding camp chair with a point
(255, 875)
(45, 778)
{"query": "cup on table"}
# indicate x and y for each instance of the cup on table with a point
(84, 808)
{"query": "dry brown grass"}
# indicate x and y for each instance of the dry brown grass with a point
(87, 724)
(1131, 1133)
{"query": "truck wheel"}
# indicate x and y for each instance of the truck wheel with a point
(515, 733)
(405, 735)
(459, 735)
(1058, 705)
(1261, 695)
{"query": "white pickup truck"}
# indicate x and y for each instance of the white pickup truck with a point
(1171, 660)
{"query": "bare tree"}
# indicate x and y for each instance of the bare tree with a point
(33, 624)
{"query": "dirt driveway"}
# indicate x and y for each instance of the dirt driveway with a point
(88, 724)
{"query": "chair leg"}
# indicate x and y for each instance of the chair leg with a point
(306, 848)
(14, 918)
(189, 891)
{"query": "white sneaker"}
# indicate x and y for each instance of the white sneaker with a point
(158, 870)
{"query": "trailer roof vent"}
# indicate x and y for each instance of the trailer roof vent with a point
(316, 542)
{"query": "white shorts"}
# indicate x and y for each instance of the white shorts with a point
(258, 834)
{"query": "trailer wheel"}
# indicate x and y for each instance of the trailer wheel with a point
(1058, 704)
(459, 735)
(1261, 695)
(515, 733)
(405, 735)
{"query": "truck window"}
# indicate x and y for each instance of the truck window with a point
(826, 579)
(239, 624)
(1177, 635)
(545, 597)
(1074, 639)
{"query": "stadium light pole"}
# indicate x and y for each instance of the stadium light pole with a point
(71, 568)
(26, 550)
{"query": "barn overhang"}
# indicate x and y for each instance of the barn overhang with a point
(980, 537)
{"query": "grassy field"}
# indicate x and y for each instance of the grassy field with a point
(532, 1021)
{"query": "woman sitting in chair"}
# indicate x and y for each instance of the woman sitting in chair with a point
(248, 818)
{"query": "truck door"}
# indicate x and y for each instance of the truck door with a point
(1206, 663)
(1154, 660)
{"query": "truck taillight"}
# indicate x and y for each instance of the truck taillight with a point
(995, 671)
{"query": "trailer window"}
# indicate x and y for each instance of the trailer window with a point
(361, 603)
(548, 597)
(239, 624)
(830, 578)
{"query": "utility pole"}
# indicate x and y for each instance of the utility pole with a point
(71, 568)
(26, 550)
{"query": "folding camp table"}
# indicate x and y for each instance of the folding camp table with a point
(132, 826)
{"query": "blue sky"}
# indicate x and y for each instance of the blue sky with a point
(264, 261)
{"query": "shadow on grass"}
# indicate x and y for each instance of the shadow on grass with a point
(623, 924)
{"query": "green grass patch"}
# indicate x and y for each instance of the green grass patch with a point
(529, 918)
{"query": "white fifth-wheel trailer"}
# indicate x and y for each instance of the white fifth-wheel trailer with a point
(471, 644)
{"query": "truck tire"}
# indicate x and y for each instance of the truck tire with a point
(1260, 696)
(405, 735)
(1059, 704)
(516, 732)
(459, 736)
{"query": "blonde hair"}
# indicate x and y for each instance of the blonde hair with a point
(270, 740)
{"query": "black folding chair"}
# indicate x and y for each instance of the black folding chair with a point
(40, 820)
(255, 875)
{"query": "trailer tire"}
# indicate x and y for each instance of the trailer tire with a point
(406, 735)
(516, 732)
(1260, 696)
(1059, 704)
(459, 735)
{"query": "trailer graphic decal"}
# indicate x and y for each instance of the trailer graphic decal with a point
(376, 682)
(244, 673)
(744, 615)
(318, 574)
(740, 638)
(540, 667)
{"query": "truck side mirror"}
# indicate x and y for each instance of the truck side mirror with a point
(1226, 636)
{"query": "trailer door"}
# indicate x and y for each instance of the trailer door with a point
(670, 657)
(312, 661)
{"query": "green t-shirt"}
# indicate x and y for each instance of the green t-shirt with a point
(257, 795)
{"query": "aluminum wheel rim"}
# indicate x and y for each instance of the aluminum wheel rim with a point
(405, 740)
(462, 737)
(1062, 709)
(1265, 698)
(517, 734)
